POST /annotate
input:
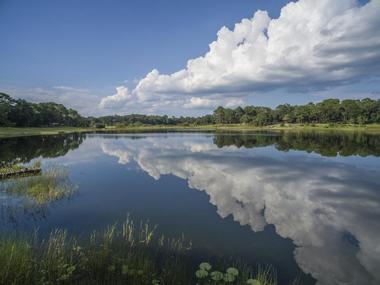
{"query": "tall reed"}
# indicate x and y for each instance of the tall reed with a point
(123, 253)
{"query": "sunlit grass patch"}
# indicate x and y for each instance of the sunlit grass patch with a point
(52, 185)
(5, 169)
(7, 132)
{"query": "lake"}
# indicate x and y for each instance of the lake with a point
(307, 203)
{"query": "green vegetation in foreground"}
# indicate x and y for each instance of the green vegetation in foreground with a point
(52, 185)
(206, 276)
(127, 253)
(20, 132)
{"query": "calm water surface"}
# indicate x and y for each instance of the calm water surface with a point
(307, 203)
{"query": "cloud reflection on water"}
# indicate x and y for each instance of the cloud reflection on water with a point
(330, 210)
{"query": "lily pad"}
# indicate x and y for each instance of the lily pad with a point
(205, 266)
(201, 273)
(233, 271)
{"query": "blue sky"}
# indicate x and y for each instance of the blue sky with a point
(77, 52)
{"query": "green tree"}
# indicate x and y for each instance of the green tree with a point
(219, 115)
(350, 110)
(5, 108)
(328, 111)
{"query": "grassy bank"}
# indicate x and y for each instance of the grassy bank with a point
(373, 128)
(18, 132)
(125, 253)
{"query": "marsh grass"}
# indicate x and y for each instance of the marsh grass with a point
(266, 275)
(52, 185)
(30, 198)
(123, 253)
(15, 260)
(5, 169)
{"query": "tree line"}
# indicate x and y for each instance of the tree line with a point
(347, 111)
(138, 119)
(20, 113)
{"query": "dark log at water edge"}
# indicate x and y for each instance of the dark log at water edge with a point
(20, 173)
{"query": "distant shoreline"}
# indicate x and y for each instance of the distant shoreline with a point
(7, 132)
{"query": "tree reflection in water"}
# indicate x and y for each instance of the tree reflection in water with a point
(330, 210)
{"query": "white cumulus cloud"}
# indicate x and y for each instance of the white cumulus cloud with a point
(196, 102)
(120, 96)
(312, 45)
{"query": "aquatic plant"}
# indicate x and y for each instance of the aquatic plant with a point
(29, 198)
(52, 185)
(253, 282)
(5, 169)
(264, 276)
(122, 253)
(16, 257)
(127, 252)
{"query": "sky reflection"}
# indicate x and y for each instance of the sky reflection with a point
(330, 209)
